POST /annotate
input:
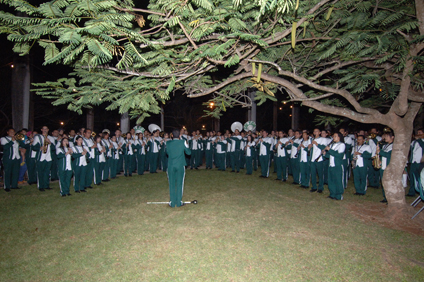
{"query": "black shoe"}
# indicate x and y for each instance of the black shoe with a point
(233, 171)
(320, 191)
(406, 195)
(63, 195)
(284, 180)
(99, 184)
(125, 175)
(15, 188)
(196, 168)
(77, 191)
(83, 191)
(329, 197)
(277, 179)
(106, 180)
(48, 188)
(261, 176)
(69, 194)
(238, 172)
(358, 194)
(8, 190)
(89, 187)
(41, 190)
(383, 201)
(304, 187)
(295, 183)
(130, 175)
(312, 190)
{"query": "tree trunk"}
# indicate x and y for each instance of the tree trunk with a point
(398, 209)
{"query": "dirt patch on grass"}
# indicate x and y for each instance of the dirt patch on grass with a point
(375, 213)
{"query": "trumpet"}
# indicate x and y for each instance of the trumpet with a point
(19, 137)
(93, 134)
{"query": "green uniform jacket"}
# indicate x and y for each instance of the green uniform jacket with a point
(175, 150)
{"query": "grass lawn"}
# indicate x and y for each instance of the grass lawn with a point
(244, 228)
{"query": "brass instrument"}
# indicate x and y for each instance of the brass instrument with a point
(19, 137)
(45, 144)
(376, 162)
(372, 136)
(93, 134)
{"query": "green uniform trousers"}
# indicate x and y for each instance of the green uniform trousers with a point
(249, 165)
(176, 176)
(11, 173)
(65, 181)
(32, 171)
(335, 182)
(98, 170)
(294, 163)
(220, 160)
(373, 175)
(106, 170)
(264, 161)
(153, 162)
(382, 187)
(305, 172)
(360, 179)
(141, 160)
(79, 177)
(43, 174)
(90, 173)
(414, 173)
(128, 169)
(54, 174)
(281, 165)
(113, 167)
(317, 169)
(208, 158)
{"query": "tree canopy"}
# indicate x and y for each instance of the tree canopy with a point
(345, 53)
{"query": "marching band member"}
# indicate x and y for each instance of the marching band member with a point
(108, 155)
(361, 153)
(128, 148)
(115, 157)
(194, 145)
(250, 150)
(43, 145)
(317, 160)
(176, 150)
(91, 157)
(31, 160)
(305, 160)
(79, 164)
(336, 153)
(120, 141)
(280, 160)
(56, 142)
(64, 158)
(415, 155)
(294, 156)
(11, 160)
(140, 145)
(154, 147)
(221, 147)
(235, 153)
(385, 154)
(100, 160)
(209, 150)
(228, 152)
(264, 146)
(242, 147)
(373, 174)
(163, 156)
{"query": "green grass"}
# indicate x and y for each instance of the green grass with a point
(244, 228)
